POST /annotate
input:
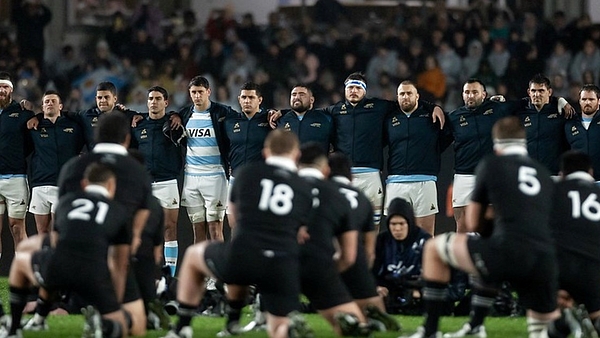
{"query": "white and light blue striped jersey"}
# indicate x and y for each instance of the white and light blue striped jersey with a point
(202, 156)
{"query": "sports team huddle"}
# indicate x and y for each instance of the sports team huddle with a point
(309, 212)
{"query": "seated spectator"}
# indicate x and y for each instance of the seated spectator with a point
(398, 251)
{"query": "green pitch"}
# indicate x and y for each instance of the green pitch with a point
(70, 326)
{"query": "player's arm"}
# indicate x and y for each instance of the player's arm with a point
(479, 218)
(118, 261)
(348, 242)
(370, 240)
(231, 216)
(139, 221)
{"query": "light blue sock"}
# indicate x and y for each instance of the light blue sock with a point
(171, 253)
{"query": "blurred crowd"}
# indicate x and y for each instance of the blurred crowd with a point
(436, 48)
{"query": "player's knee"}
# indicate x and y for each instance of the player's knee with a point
(196, 214)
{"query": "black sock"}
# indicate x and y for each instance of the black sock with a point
(43, 307)
(185, 313)
(559, 328)
(111, 328)
(18, 300)
(234, 310)
(481, 303)
(435, 296)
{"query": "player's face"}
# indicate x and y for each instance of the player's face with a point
(200, 96)
(407, 97)
(354, 93)
(398, 227)
(539, 94)
(249, 101)
(105, 100)
(51, 105)
(157, 103)
(473, 95)
(301, 100)
(588, 102)
(5, 95)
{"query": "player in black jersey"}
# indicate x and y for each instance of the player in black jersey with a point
(520, 191)
(89, 227)
(269, 204)
(133, 192)
(358, 278)
(320, 272)
(574, 221)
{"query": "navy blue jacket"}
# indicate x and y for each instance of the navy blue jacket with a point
(471, 130)
(217, 112)
(359, 130)
(163, 159)
(15, 141)
(245, 137)
(546, 139)
(587, 141)
(88, 119)
(414, 143)
(315, 126)
(53, 145)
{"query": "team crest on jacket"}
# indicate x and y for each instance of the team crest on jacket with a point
(462, 121)
(369, 106)
(315, 125)
(287, 126)
(574, 131)
(488, 112)
(527, 121)
(553, 116)
(395, 121)
(68, 130)
(236, 127)
(263, 124)
(13, 115)
(94, 120)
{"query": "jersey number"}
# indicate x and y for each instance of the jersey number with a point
(82, 209)
(528, 182)
(276, 198)
(590, 208)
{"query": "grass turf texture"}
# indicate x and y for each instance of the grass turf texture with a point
(72, 325)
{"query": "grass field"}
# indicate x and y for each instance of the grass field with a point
(71, 326)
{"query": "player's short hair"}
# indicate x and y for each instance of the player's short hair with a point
(508, 128)
(574, 160)
(540, 79)
(590, 87)
(107, 85)
(252, 86)
(304, 85)
(475, 80)
(52, 92)
(5, 76)
(98, 173)
(281, 142)
(111, 128)
(340, 165)
(159, 89)
(312, 153)
(356, 76)
(199, 81)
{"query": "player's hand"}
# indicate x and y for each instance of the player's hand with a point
(33, 123)
(26, 105)
(498, 98)
(135, 119)
(120, 106)
(382, 291)
(569, 111)
(175, 121)
(438, 115)
(303, 235)
(274, 115)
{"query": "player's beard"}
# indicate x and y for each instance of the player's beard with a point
(5, 101)
(408, 106)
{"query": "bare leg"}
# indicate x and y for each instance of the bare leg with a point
(17, 229)
(42, 223)
(459, 216)
(215, 229)
(199, 232)
(427, 223)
